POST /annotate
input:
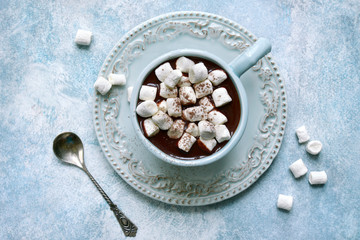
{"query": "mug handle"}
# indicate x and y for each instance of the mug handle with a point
(250, 56)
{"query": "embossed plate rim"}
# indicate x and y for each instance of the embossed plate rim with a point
(249, 180)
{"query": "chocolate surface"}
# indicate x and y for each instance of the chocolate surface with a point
(231, 110)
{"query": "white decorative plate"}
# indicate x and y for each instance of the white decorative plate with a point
(196, 185)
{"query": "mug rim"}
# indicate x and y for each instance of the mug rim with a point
(239, 89)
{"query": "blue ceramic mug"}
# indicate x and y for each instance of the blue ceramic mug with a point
(234, 69)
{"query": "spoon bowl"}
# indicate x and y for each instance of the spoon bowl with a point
(69, 148)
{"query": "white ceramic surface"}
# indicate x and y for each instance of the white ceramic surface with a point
(198, 185)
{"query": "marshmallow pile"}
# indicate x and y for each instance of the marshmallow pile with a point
(184, 107)
(103, 85)
(313, 147)
(299, 169)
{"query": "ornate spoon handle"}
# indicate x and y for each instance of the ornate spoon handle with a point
(127, 226)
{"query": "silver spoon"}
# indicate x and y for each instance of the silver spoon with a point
(69, 148)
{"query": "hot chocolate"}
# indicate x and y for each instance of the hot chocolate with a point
(198, 108)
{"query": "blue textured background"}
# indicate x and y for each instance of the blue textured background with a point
(47, 87)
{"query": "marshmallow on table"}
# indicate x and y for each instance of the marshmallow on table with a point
(206, 104)
(146, 108)
(166, 92)
(317, 177)
(162, 105)
(217, 76)
(117, 79)
(177, 129)
(129, 92)
(222, 133)
(173, 107)
(221, 97)
(206, 130)
(203, 89)
(184, 64)
(285, 202)
(207, 144)
(163, 71)
(102, 85)
(186, 142)
(302, 134)
(194, 114)
(162, 120)
(298, 168)
(83, 37)
(150, 128)
(314, 147)
(147, 93)
(217, 117)
(173, 78)
(193, 129)
(187, 95)
(184, 82)
(198, 73)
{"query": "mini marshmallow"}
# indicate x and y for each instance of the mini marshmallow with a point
(194, 114)
(193, 129)
(285, 202)
(298, 168)
(184, 82)
(186, 141)
(150, 128)
(147, 93)
(173, 107)
(221, 97)
(173, 78)
(314, 147)
(163, 71)
(207, 144)
(206, 104)
(176, 129)
(222, 133)
(117, 79)
(129, 92)
(166, 92)
(198, 73)
(187, 95)
(216, 117)
(302, 134)
(102, 85)
(162, 120)
(317, 177)
(162, 105)
(83, 37)
(203, 89)
(217, 76)
(146, 109)
(184, 64)
(206, 130)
